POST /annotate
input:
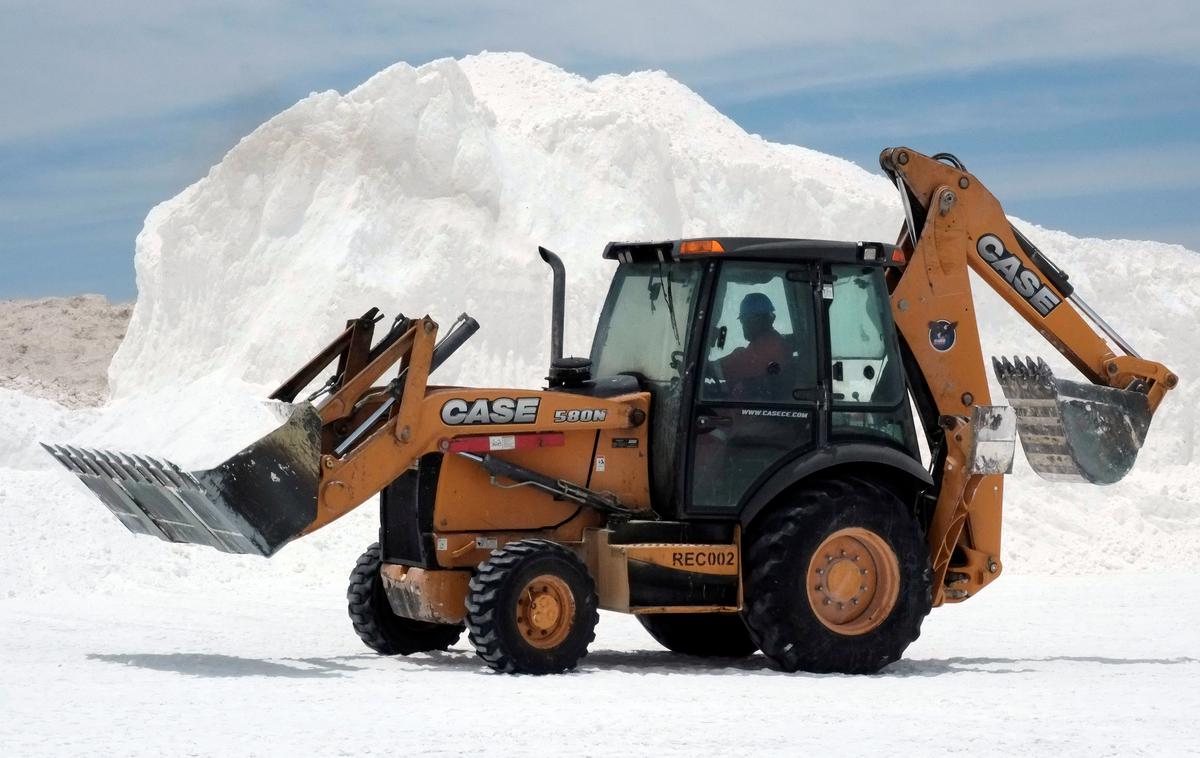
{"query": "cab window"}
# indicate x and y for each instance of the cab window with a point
(866, 377)
(862, 343)
(760, 344)
(646, 321)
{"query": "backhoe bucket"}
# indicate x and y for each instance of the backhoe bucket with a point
(253, 503)
(1073, 431)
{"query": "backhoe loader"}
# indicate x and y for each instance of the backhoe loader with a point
(737, 462)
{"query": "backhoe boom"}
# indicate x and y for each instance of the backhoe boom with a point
(1070, 431)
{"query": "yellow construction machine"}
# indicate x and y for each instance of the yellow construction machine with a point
(737, 462)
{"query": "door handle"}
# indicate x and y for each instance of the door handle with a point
(706, 423)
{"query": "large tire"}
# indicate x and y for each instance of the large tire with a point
(531, 608)
(707, 635)
(378, 626)
(818, 611)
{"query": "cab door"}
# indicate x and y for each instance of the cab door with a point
(759, 381)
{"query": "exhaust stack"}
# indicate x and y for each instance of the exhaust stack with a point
(558, 303)
(564, 372)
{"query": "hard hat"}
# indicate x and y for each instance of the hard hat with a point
(755, 304)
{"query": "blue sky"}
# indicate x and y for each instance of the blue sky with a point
(1078, 119)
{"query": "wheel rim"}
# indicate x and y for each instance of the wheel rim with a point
(853, 581)
(545, 611)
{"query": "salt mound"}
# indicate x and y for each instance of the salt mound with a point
(427, 189)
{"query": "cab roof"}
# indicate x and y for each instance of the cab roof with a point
(754, 248)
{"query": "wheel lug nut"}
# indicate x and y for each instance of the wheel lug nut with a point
(855, 558)
(828, 601)
(854, 600)
(863, 572)
(862, 588)
(820, 588)
(820, 571)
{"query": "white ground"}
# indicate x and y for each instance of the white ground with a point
(1084, 666)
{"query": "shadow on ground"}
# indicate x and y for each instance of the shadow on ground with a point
(629, 662)
(216, 665)
(655, 661)
(939, 666)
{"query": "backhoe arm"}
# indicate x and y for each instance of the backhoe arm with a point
(1071, 431)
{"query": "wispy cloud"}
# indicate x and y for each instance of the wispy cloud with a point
(1019, 102)
(71, 64)
(1080, 174)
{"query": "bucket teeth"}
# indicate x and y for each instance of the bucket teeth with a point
(1034, 378)
(92, 468)
(252, 503)
(1072, 431)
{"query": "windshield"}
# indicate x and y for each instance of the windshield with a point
(645, 323)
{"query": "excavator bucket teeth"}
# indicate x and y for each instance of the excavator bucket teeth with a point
(1072, 431)
(253, 503)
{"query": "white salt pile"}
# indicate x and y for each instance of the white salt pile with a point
(427, 190)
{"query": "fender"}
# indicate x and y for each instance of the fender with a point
(903, 466)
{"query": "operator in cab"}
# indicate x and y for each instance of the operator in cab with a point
(747, 368)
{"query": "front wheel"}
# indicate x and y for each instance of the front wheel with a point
(531, 608)
(837, 579)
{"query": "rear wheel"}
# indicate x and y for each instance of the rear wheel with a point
(707, 635)
(837, 579)
(531, 608)
(378, 626)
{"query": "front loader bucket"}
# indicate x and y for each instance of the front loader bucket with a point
(253, 503)
(1072, 431)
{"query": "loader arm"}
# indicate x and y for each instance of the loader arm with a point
(328, 459)
(1070, 431)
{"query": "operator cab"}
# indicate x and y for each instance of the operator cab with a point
(756, 353)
